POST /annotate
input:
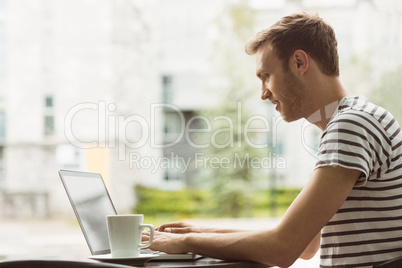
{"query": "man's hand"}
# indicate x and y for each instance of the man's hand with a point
(184, 228)
(295, 236)
(166, 242)
(181, 228)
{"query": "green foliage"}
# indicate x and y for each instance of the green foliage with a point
(231, 185)
(357, 74)
(358, 77)
(388, 93)
(179, 203)
(188, 203)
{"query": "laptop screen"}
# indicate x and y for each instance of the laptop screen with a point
(91, 203)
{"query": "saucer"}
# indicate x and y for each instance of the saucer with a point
(139, 260)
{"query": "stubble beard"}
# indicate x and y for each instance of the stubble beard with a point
(295, 94)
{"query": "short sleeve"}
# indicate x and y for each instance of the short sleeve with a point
(350, 141)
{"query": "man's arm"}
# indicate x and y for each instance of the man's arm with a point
(310, 251)
(312, 209)
(180, 227)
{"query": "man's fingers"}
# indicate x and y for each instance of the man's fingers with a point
(145, 238)
(179, 230)
(169, 225)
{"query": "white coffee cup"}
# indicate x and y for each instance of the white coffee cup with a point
(125, 232)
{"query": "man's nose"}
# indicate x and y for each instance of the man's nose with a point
(265, 94)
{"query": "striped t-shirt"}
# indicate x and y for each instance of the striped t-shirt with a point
(367, 229)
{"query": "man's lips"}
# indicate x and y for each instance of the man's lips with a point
(276, 103)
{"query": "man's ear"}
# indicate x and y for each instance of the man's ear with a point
(301, 61)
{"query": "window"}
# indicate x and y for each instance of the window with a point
(173, 124)
(2, 166)
(68, 156)
(49, 125)
(2, 50)
(48, 119)
(49, 102)
(2, 126)
(175, 171)
(167, 88)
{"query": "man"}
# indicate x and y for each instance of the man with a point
(353, 199)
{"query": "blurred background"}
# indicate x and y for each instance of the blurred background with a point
(159, 97)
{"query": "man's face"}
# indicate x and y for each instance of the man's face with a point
(282, 88)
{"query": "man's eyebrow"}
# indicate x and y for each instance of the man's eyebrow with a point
(260, 74)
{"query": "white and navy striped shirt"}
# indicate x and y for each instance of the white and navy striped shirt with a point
(367, 229)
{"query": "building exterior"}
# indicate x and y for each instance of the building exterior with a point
(74, 75)
(114, 86)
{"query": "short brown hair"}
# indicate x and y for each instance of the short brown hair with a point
(300, 31)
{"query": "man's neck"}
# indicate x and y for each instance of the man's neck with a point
(327, 98)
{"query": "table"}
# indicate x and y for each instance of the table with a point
(204, 262)
(199, 263)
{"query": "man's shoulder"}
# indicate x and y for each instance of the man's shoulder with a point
(364, 121)
(358, 111)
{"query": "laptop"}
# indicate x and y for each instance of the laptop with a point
(91, 203)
